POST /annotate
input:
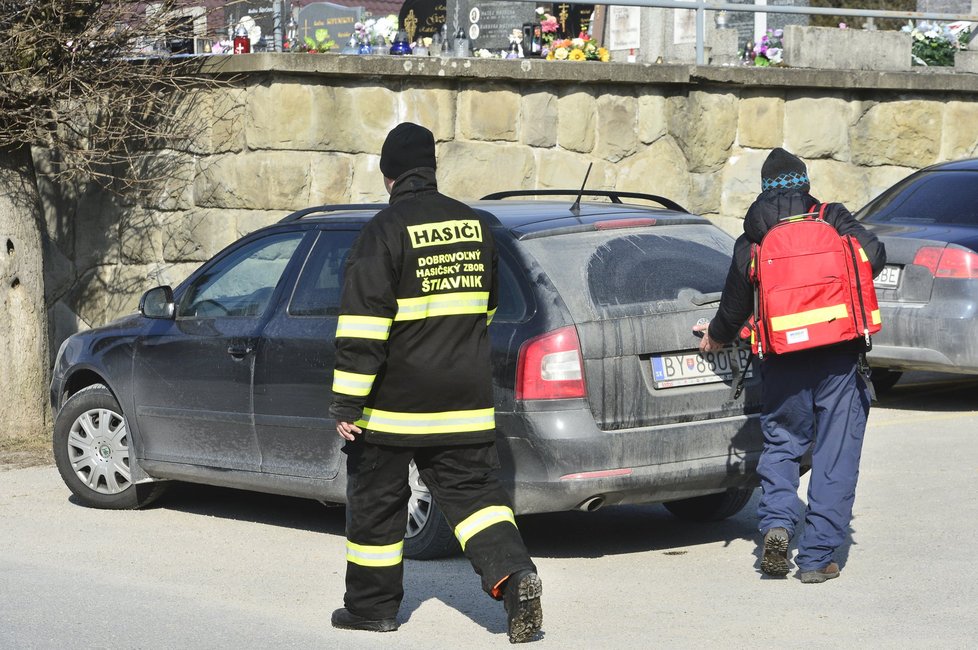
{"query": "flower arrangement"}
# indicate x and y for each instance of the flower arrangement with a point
(548, 26)
(376, 31)
(935, 45)
(576, 49)
(319, 41)
(769, 51)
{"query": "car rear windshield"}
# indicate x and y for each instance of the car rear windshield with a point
(944, 197)
(634, 271)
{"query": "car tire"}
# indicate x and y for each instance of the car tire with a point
(884, 380)
(91, 450)
(711, 507)
(428, 535)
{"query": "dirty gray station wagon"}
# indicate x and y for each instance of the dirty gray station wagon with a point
(601, 395)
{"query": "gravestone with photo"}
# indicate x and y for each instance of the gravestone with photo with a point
(489, 24)
(258, 17)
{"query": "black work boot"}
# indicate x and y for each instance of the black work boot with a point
(521, 598)
(774, 562)
(344, 619)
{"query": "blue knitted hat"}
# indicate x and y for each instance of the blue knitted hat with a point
(783, 170)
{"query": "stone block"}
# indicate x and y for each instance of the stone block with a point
(168, 183)
(488, 115)
(903, 133)
(616, 133)
(316, 118)
(575, 121)
(660, 168)
(562, 170)
(471, 170)
(196, 235)
(272, 180)
(227, 120)
(705, 192)
(705, 126)
(830, 48)
(248, 221)
(653, 115)
(839, 182)
(431, 107)
(966, 60)
(957, 141)
(817, 127)
(760, 122)
(538, 119)
(741, 178)
(367, 185)
(98, 241)
(141, 236)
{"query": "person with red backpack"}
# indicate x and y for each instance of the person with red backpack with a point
(817, 397)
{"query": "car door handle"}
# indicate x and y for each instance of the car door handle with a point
(239, 351)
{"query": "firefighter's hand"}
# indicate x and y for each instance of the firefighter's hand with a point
(347, 430)
(706, 343)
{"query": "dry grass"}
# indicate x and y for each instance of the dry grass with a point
(16, 453)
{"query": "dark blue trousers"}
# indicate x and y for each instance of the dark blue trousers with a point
(811, 397)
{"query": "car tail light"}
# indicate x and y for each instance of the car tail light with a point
(948, 262)
(551, 367)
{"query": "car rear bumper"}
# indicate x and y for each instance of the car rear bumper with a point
(936, 336)
(565, 462)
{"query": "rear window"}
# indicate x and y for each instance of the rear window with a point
(949, 197)
(636, 271)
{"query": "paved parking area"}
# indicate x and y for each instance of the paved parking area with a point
(213, 568)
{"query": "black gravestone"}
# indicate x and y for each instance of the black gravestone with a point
(336, 19)
(489, 24)
(572, 19)
(422, 18)
(258, 12)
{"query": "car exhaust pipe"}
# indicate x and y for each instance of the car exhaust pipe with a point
(592, 504)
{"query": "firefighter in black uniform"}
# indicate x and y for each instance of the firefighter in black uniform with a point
(413, 382)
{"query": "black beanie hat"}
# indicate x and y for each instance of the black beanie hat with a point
(783, 170)
(407, 146)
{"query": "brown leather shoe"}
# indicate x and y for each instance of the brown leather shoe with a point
(827, 572)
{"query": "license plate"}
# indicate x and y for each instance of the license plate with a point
(671, 370)
(888, 278)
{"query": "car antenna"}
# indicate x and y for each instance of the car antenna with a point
(576, 208)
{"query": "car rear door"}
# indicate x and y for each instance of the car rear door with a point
(635, 295)
(294, 367)
(192, 376)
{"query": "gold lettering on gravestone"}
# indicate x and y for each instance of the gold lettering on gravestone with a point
(437, 19)
(411, 24)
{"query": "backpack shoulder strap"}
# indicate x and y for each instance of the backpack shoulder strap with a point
(821, 210)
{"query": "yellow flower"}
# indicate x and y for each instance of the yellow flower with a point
(560, 53)
(550, 56)
(577, 55)
(604, 55)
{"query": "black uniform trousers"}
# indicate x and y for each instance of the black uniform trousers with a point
(463, 482)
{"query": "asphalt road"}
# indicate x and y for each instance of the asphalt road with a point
(213, 568)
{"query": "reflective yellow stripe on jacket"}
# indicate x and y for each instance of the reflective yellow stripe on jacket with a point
(442, 304)
(352, 383)
(811, 317)
(363, 327)
(374, 556)
(423, 423)
(480, 520)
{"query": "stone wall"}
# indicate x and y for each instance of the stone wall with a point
(300, 130)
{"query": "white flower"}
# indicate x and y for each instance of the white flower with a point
(774, 54)
(577, 42)
(540, 11)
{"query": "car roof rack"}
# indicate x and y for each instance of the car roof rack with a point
(324, 209)
(614, 195)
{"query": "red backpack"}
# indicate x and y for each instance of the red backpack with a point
(813, 287)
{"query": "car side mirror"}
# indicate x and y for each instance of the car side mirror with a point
(158, 303)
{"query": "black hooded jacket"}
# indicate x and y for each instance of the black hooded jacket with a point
(770, 207)
(412, 344)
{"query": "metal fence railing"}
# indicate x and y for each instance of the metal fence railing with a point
(702, 7)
